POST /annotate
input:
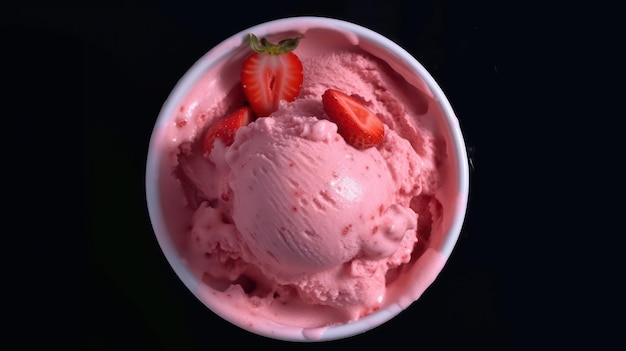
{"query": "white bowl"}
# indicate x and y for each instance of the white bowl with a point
(428, 266)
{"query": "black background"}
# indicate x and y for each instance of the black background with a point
(85, 84)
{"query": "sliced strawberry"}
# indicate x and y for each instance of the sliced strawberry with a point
(225, 128)
(357, 124)
(271, 74)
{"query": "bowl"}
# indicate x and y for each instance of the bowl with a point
(216, 67)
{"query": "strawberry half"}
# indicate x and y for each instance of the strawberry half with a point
(225, 128)
(357, 124)
(271, 74)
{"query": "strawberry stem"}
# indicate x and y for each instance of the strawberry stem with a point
(263, 46)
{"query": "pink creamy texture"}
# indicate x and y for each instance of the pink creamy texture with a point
(292, 226)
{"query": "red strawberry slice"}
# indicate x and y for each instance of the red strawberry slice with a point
(271, 74)
(225, 128)
(357, 124)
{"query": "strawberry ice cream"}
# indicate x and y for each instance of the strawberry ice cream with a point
(290, 223)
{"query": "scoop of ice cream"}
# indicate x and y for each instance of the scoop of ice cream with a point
(306, 201)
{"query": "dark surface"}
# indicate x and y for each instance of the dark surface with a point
(108, 68)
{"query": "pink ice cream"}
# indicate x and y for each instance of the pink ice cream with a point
(311, 212)
(308, 201)
(290, 223)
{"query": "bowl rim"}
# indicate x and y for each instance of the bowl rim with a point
(214, 55)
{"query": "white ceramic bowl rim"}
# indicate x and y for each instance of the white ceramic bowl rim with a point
(223, 49)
